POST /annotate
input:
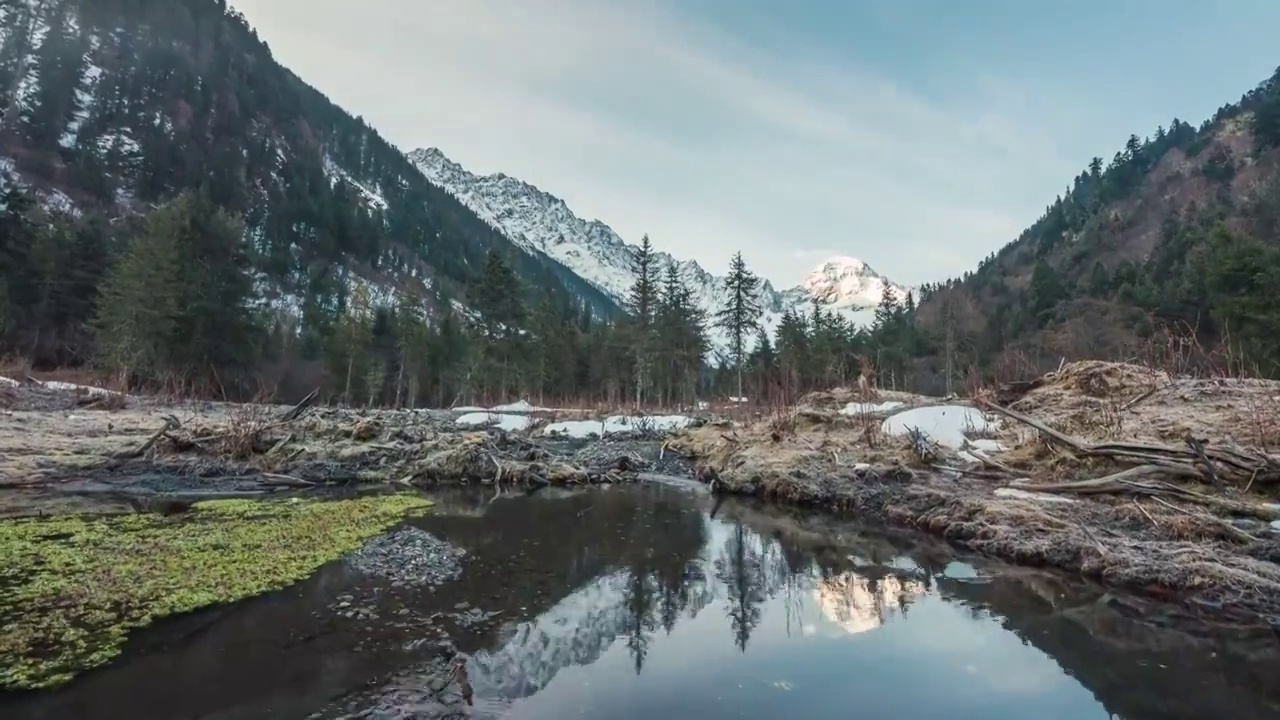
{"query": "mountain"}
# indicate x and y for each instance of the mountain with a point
(110, 107)
(1167, 252)
(540, 222)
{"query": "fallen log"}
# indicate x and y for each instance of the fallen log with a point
(301, 408)
(1207, 463)
(170, 424)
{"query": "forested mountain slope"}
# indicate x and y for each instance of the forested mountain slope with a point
(1177, 236)
(111, 107)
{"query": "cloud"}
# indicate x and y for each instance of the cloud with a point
(655, 121)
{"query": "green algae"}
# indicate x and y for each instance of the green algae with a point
(73, 587)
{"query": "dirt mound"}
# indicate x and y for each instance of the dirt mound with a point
(778, 451)
(1102, 400)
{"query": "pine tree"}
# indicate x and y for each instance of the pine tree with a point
(411, 345)
(641, 302)
(138, 303)
(351, 339)
(740, 315)
(763, 361)
(498, 296)
(643, 295)
(680, 335)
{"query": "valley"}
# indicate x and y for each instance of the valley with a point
(296, 422)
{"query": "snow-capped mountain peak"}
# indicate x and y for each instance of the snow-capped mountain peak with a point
(539, 222)
(844, 282)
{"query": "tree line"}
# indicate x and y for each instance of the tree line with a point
(177, 296)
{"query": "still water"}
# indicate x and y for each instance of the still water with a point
(656, 602)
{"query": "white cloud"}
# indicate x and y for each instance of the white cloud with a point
(656, 122)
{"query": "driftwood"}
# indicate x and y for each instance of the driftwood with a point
(301, 408)
(922, 445)
(281, 480)
(170, 424)
(1197, 459)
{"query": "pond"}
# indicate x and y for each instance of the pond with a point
(657, 601)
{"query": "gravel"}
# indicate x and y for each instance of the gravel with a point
(409, 557)
(644, 455)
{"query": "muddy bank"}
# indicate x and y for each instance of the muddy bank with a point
(1098, 487)
(61, 455)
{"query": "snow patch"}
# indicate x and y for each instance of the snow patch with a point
(8, 382)
(370, 193)
(855, 408)
(616, 424)
(1008, 492)
(57, 202)
(59, 385)
(510, 423)
(946, 425)
(521, 406)
(986, 445)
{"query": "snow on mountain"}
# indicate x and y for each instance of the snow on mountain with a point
(538, 221)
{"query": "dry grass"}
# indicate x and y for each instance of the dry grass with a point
(1194, 554)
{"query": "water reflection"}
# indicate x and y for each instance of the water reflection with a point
(636, 603)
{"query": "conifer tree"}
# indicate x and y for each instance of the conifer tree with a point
(642, 300)
(138, 303)
(681, 337)
(352, 337)
(740, 315)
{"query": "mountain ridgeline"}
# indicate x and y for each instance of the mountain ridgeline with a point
(543, 223)
(112, 107)
(1168, 252)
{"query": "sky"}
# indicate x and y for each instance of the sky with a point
(917, 135)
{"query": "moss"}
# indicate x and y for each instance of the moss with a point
(73, 587)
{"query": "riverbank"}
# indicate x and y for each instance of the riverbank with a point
(1158, 485)
(118, 511)
(59, 453)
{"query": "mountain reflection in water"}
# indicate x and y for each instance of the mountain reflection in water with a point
(758, 613)
(650, 602)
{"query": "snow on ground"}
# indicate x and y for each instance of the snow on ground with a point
(521, 406)
(8, 382)
(616, 424)
(59, 385)
(986, 445)
(855, 408)
(1008, 492)
(510, 423)
(945, 424)
(56, 201)
(371, 194)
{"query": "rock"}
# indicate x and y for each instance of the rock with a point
(344, 604)
(409, 557)
(402, 612)
(462, 606)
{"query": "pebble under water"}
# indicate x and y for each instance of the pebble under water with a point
(656, 601)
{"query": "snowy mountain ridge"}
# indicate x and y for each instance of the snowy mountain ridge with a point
(538, 221)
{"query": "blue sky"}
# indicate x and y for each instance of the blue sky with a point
(919, 136)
